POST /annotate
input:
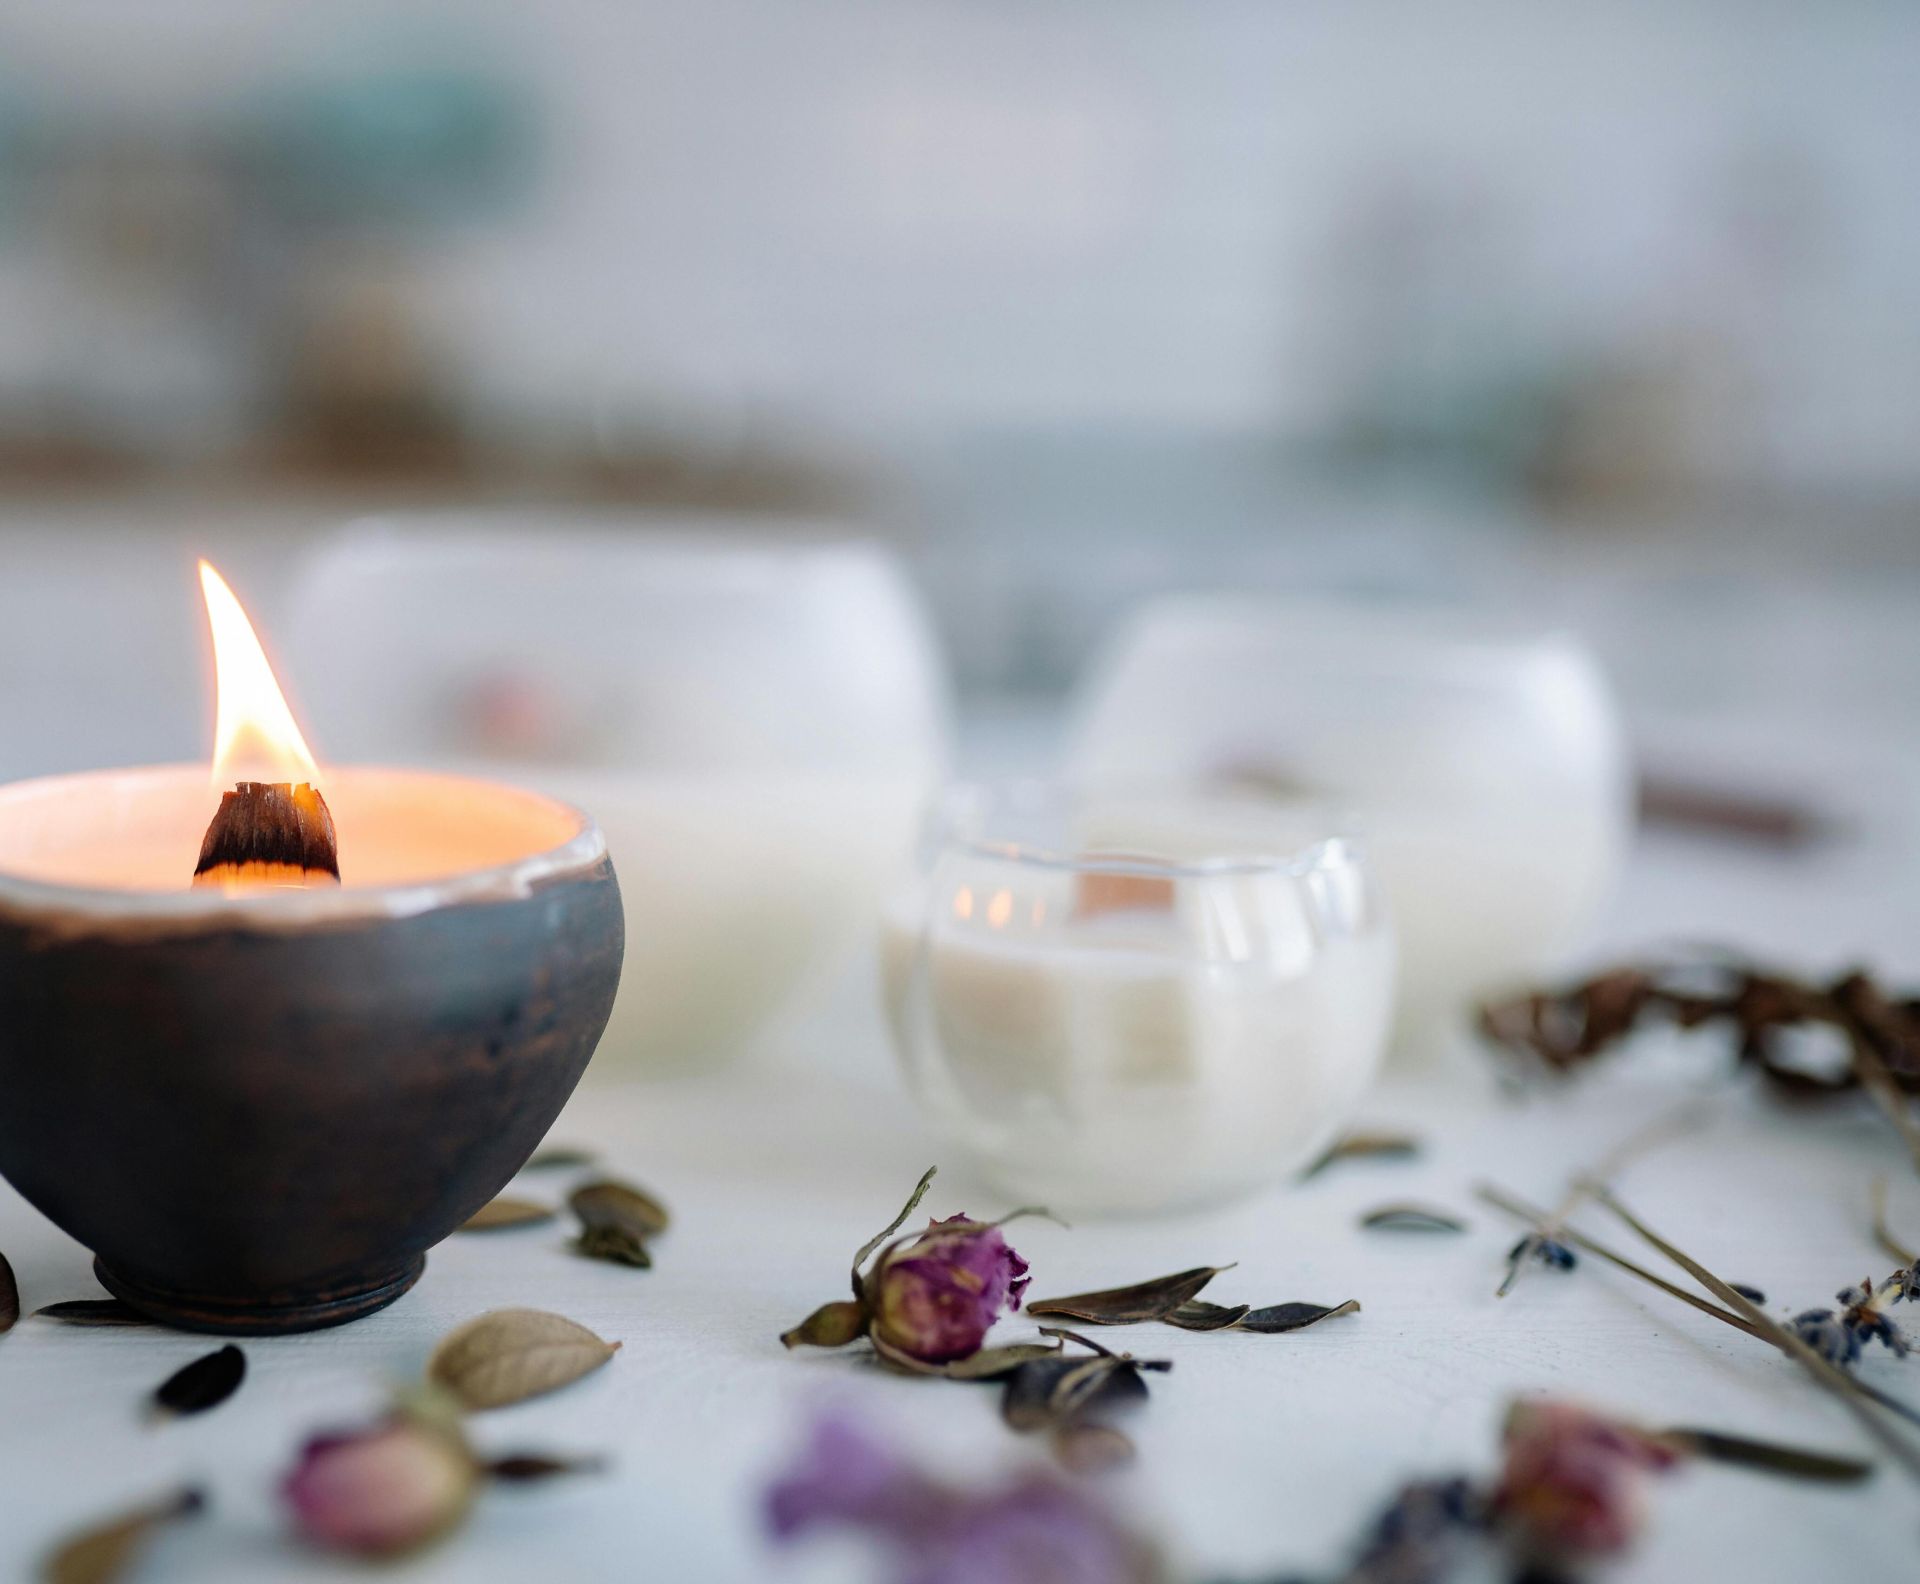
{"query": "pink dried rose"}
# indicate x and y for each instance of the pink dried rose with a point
(1574, 1481)
(927, 1300)
(389, 1488)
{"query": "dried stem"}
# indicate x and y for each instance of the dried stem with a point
(1883, 1232)
(1593, 1180)
(1520, 1210)
(1829, 1376)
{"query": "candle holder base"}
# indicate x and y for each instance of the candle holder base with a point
(276, 1315)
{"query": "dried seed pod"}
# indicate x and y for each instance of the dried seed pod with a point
(205, 1383)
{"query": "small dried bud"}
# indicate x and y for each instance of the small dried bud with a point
(1573, 1481)
(392, 1487)
(935, 1297)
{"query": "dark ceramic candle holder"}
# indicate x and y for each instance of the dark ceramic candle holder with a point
(259, 1110)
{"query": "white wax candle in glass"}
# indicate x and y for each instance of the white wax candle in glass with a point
(1113, 1009)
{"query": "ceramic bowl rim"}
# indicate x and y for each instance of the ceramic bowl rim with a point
(72, 908)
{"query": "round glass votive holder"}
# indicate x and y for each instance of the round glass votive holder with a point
(1485, 754)
(1127, 1005)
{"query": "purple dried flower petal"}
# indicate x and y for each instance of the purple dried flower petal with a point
(935, 1297)
(1828, 1335)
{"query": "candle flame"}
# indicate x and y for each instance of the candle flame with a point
(254, 737)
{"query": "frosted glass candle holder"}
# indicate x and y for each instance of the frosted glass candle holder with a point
(1111, 1009)
(1485, 757)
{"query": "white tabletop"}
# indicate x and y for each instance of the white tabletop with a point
(1258, 1454)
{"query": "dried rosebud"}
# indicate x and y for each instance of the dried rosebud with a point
(1031, 1530)
(1573, 1480)
(934, 1297)
(392, 1487)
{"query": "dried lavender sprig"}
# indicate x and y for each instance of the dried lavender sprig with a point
(1833, 1379)
(1547, 1229)
(1520, 1210)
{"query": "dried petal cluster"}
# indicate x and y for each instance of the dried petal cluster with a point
(1839, 1336)
(1032, 1529)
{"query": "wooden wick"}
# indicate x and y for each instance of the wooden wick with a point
(269, 833)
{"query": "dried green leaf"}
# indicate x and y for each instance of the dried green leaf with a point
(523, 1468)
(1148, 1300)
(558, 1157)
(1277, 1318)
(615, 1245)
(1055, 1391)
(1365, 1146)
(893, 1226)
(1199, 1315)
(9, 1297)
(606, 1202)
(506, 1211)
(1410, 1217)
(205, 1383)
(616, 1220)
(1089, 1447)
(93, 1312)
(510, 1355)
(1771, 1457)
(831, 1325)
(106, 1551)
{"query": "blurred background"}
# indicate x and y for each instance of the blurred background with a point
(1607, 316)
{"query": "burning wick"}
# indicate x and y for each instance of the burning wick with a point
(274, 832)
(270, 833)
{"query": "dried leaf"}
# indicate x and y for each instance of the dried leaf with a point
(1771, 1457)
(106, 1551)
(893, 1226)
(1199, 1315)
(615, 1245)
(1278, 1318)
(205, 1383)
(1411, 1218)
(510, 1355)
(93, 1312)
(1148, 1300)
(506, 1211)
(9, 1297)
(605, 1202)
(616, 1220)
(1365, 1146)
(557, 1157)
(521, 1468)
(1051, 1391)
(831, 1325)
(986, 1365)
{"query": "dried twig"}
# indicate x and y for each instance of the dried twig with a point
(1829, 1376)
(1564, 1029)
(1520, 1210)
(1587, 1183)
(1883, 1233)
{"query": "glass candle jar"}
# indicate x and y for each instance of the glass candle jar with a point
(1128, 1004)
